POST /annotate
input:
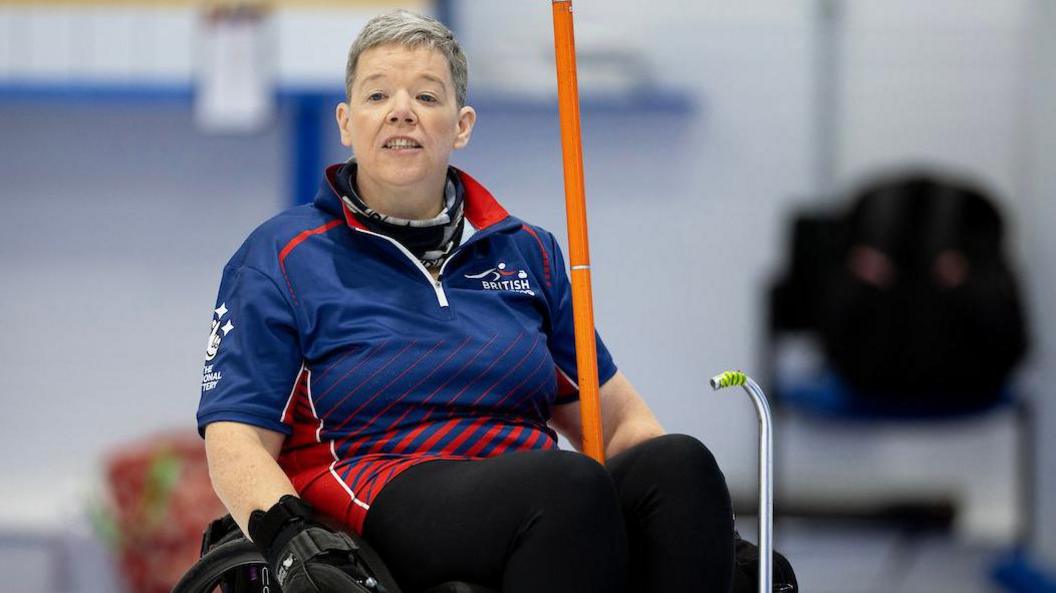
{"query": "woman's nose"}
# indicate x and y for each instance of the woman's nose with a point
(402, 111)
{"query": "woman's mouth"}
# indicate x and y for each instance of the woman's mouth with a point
(401, 144)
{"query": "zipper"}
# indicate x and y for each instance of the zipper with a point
(437, 285)
(450, 256)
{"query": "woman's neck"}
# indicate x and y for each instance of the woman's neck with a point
(420, 201)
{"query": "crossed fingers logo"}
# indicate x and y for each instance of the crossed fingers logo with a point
(215, 335)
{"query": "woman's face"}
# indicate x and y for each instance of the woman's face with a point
(402, 119)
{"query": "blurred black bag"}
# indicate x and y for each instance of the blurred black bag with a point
(911, 293)
(746, 570)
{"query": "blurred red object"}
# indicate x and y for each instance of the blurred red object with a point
(161, 500)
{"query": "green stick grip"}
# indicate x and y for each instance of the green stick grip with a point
(728, 379)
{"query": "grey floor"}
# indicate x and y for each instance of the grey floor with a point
(828, 558)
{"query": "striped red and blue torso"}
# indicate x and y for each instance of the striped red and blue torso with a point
(388, 367)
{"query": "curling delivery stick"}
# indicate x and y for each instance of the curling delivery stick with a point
(766, 471)
(576, 212)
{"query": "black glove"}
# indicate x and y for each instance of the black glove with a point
(307, 557)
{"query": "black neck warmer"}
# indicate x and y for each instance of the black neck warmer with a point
(430, 240)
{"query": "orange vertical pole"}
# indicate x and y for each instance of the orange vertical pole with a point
(576, 210)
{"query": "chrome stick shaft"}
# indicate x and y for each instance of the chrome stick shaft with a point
(766, 472)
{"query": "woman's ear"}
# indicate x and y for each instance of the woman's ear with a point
(467, 116)
(344, 123)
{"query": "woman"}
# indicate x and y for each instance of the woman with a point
(397, 357)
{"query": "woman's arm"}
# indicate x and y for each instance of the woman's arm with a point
(243, 469)
(626, 419)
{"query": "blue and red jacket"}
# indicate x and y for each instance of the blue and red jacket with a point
(340, 339)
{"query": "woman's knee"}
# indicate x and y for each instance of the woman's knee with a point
(572, 480)
(684, 450)
(675, 463)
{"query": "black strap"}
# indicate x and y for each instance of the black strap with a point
(309, 544)
(317, 541)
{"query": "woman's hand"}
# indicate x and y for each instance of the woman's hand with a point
(626, 418)
(243, 469)
(308, 557)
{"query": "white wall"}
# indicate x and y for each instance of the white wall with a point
(1040, 202)
(939, 82)
(114, 223)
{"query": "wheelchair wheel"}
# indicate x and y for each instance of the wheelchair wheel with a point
(235, 567)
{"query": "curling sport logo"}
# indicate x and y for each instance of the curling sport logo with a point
(499, 278)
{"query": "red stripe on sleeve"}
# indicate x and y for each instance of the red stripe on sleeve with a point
(564, 385)
(300, 238)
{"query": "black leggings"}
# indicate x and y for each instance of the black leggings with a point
(656, 519)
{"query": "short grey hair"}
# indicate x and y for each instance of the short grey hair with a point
(411, 30)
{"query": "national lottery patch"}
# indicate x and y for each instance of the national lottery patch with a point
(220, 328)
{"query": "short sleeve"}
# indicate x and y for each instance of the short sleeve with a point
(253, 356)
(562, 339)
